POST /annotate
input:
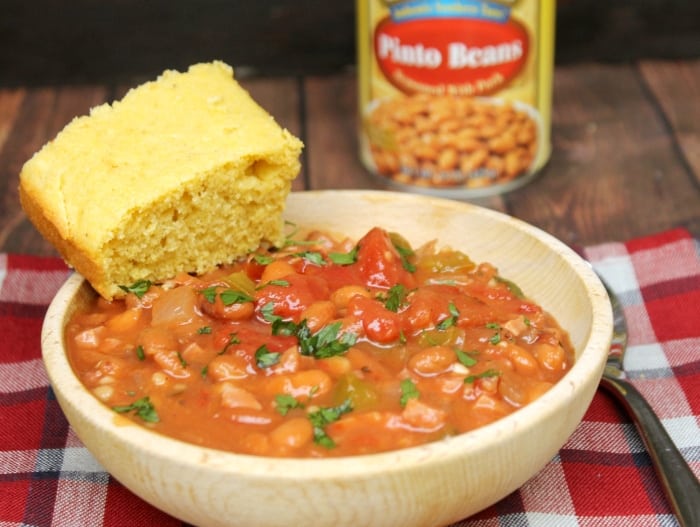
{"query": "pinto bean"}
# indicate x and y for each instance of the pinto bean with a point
(434, 137)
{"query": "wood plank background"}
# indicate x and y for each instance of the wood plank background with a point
(626, 159)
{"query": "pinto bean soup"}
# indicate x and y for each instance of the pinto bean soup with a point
(321, 348)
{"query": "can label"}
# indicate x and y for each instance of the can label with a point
(455, 95)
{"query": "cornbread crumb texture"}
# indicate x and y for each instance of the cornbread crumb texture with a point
(184, 173)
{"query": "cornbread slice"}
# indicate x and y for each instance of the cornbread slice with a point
(184, 173)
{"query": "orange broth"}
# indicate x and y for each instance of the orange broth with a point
(321, 348)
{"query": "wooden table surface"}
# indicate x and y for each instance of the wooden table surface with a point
(625, 162)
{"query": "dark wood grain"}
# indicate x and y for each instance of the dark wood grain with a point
(40, 116)
(625, 163)
(614, 172)
(676, 87)
(331, 128)
(281, 97)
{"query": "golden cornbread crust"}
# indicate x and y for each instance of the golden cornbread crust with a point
(184, 173)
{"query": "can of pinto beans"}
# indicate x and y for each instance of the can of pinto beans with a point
(455, 96)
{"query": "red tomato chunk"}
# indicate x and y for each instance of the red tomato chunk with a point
(321, 348)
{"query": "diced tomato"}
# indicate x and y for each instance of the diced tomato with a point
(249, 338)
(291, 299)
(380, 263)
(506, 300)
(253, 269)
(380, 324)
(338, 275)
(427, 306)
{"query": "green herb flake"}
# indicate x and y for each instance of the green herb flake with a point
(496, 338)
(408, 391)
(405, 253)
(143, 408)
(140, 355)
(313, 257)
(265, 358)
(344, 258)
(138, 288)
(395, 297)
(204, 330)
(404, 249)
(450, 320)
(285, 402)
(263, 259)
(321, 345)
(281, 283)
(511, 286)
(323, 417)
(183, 362)
(209, 293)
(268, 312)
(465, 359)
(484, 374)
(325, 343)
(232, 341)
(232, 296)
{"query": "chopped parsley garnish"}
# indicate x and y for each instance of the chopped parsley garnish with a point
(268, 312)
(143, 408)
(265, 358)
(232, 341)
(232, 296)
(487, 373)
(404, 250)
(512, 287)
(209, 293)
(465, 359)
(326, 343)
(313, 257)
(285, 402)
(183, 362)
(280, 326)
(408, 391)
(263, 259)
(496, 338)
(281, 283)
(325, 416)
(289, 240)
(138, 288)
(451, 320)
(140, 355)
(404, 253)
(395, 297)
(228, 296)
(321, 345)
(344, 258)
(204, 330)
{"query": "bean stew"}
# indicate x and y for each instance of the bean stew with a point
(320, 348)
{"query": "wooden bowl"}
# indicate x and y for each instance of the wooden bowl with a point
(434, 484)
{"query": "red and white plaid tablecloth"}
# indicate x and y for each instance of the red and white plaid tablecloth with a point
(602, 476)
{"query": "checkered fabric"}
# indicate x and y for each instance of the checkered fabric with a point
(602, 477)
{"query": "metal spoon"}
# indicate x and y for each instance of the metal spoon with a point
(679, 483)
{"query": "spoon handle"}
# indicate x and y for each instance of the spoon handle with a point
(679, 483)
